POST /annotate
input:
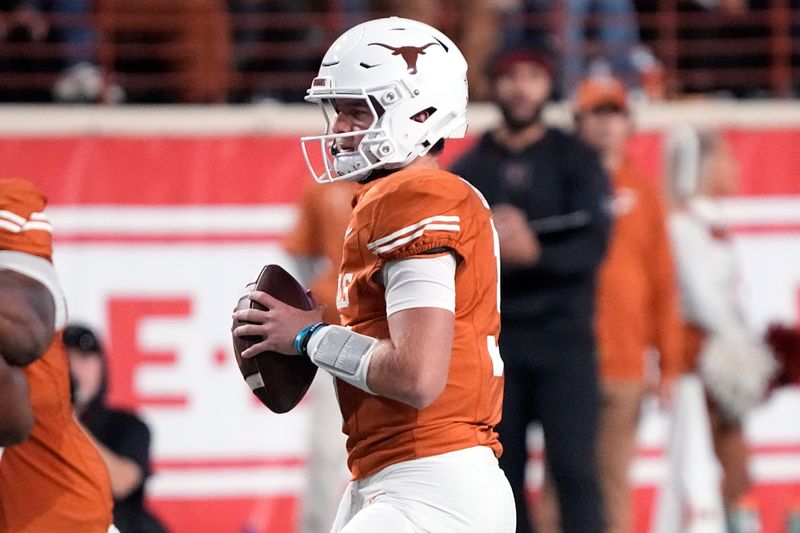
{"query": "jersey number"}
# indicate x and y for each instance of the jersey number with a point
(343, 286)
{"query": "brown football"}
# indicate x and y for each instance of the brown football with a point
(279, 381)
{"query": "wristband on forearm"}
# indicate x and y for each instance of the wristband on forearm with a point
(341, 352)
(302, 338)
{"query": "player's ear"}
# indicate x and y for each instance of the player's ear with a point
(424, 115)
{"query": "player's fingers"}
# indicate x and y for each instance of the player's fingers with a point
(251, 315)
(249, 329)
(255, 349)
(265, 299)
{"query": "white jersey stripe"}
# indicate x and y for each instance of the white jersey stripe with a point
(455, 228)
(12, 217)
(37, 226)
(10, 226)
(17, 224)
(29, 226)
(412, 227)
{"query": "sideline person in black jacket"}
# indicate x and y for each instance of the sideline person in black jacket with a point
(550, 197)
(122, 438)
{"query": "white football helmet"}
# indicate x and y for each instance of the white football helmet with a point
(399, 67)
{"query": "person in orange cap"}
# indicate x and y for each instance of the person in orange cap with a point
(638, 305)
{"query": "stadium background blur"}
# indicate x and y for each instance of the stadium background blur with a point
(163, 212)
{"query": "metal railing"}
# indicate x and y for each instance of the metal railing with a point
(213, 51)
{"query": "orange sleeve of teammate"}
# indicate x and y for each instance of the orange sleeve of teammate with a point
(667, 321)
(303, 239)
(23, 225)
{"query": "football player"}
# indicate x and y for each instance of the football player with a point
(418, 371)
(55, 480)
(26, 324)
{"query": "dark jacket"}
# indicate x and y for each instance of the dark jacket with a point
(122, 432)
(556, 176)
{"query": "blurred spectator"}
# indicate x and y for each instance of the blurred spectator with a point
(473, 24)
(65, 28)
(637, 298)
(81, 79)
(795, 39)
(22, 24)
(24, 18)
(527, 23)
(587, 34)
(121, 437)
(316, 244)
(722, 47)
(272, 37)
(186, 42)
(616, 37)
(549, 194)
(733, 366)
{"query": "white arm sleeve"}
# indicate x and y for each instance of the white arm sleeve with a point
(420, 282)
(706, 275)
(42, 271)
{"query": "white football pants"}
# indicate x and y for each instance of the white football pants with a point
(463, 491)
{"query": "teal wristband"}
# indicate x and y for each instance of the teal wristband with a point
(302, 338)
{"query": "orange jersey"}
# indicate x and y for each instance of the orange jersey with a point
(319, 232)
(56, 480)
(404, 215)
(23, 225)
(637, 293)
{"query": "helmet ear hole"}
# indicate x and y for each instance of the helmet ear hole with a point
(423, 115)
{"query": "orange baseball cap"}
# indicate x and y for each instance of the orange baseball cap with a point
(597, 91)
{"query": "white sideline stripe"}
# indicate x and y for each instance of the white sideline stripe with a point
(205, 121)
(127, 220)
(761, 210)
(455, 228)
(41, 217)
(765, 468)
(233, 482)
(776, 468)
(278, 218)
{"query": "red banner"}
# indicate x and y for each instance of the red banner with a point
(155, 236)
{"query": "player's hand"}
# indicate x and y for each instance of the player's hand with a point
(518, 243)
(277, 326)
